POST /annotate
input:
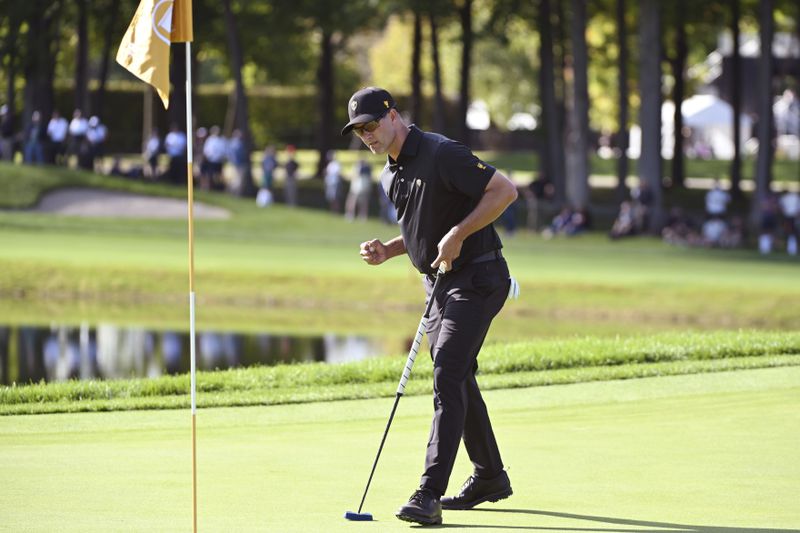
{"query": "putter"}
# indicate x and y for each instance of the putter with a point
(412, 355)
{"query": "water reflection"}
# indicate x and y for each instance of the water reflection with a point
(107, 351)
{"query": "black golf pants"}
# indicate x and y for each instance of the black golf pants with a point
(466, 303)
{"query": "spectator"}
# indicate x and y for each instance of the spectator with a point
(508, 219)
(568, 222)
(6, 133)
(78, 127)
(269, 163)
(360, 189)
(790, 208)
(175, 146)
(717, 201)
(214, 152)
(152, 149)
(713, 231)
(680, 229)
(332, 181)
(239, 157)
(642, 198)
(388, 211)
(35, 132)
(57, 130)
(291, 167)
(96, 135)
(539, 190)
(734, 236)
(200, 137)
(768, 222)
(625, 223)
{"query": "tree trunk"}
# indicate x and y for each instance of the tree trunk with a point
(764, 87)
(242, 121)
(177, 75)
(678, 68)
(43, 42)
(622, 135)
(466, 63)
(325, 100)
(10, 52)
(108, 42)
(552, 158)
(578, 112)
(416, 76)
(82, 59)
(650, 112)
(736, 102)
(438, 111)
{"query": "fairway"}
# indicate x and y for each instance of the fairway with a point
(699, 453)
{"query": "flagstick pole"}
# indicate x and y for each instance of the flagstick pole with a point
(190, 201)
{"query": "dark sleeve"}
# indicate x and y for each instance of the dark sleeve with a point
(461, 170)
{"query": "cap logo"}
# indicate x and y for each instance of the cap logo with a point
(386, 103)
(353, 105)
(481, 166)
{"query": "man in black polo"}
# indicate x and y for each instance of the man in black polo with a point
(446, 201)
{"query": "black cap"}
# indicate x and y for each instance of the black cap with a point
(367, 104)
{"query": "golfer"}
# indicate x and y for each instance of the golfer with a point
(446, 200)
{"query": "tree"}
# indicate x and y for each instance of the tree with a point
(763, 172)
(736, 101)
(81, 94)
(678, 64)
(650, 111)
(465, 16)
(42, 47)
(108, 16)
(622, 84)
(332, 21)
(577, 104)
(416, 76)
(553, 159)
(242, 120)
(438, 96)
(10, 54)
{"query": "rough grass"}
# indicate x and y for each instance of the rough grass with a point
(501, 366)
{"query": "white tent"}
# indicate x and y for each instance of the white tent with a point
(711, 121)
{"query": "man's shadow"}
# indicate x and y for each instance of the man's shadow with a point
(630, 526)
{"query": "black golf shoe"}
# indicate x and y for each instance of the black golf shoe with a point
(478, 490)
(423, 508)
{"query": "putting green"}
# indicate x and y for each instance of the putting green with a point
(699, 453)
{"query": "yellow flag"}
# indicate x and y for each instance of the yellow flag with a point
(144, 50)
(182, 21)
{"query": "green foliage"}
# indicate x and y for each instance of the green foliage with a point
(501, 366)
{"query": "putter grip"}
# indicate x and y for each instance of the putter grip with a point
(412, 355)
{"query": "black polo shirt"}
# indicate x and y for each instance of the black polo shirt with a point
(434, 184)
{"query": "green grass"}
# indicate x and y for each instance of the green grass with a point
(712, 453)
(523, 364)
(272, 267)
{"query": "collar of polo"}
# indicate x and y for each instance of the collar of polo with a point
(410, 145)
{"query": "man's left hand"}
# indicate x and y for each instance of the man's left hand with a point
(449, 249)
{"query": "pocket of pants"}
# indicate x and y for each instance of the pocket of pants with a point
(489, 278)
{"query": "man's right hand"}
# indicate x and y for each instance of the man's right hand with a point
(374, 252)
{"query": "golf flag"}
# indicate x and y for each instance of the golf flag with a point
(144, 50)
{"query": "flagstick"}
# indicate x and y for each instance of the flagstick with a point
(190, 189)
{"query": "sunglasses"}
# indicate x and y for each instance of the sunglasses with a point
(370, 126)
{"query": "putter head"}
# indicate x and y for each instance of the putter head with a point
(358, 517)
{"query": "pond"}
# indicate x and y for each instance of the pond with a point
(108, 351)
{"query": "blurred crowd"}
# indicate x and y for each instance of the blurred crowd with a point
(778, 222)
(78, 142)
(223, 163)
